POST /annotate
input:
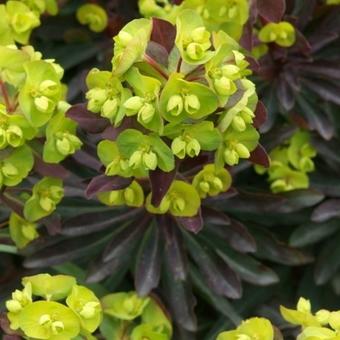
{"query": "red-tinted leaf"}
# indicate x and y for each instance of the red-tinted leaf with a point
(326, 210)
(89, 223)
(12, 203)
(271, 10)
(52, 224)
(324, 89)
(260, 115)
(259, 156)
(52, 170)
(174, 249)
(103, 183)
(148, 264)
(163, 33)
(193, 224)
(285, 94)
(160, 184)
(329, 69)
(125, 239)
(86, 119)
(85, 158)
(158, 53)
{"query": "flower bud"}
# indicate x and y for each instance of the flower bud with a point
(89, 310)
(129, 195)
(195, 51)
(48, 88)
(242, 150)
(13, 306)
(192, 103)
(44, 104)
(238, 123)
(9, 170)
(110, 108)
(193, 148)
(14, 136)
(134, 104)
(135, 160)
(178, 147)
(46, 204)
(200, 34)
(230, 71)
(178, 204)
(231, 157)
(304, 305)
(175, 105)
(247, 115)
(57, 327)
(150, 160)
(306, 164)
(204, 186)
(96, 98)
(217, 183)
(224, 86)
(146, 113)
(63, 146)
(29, 231)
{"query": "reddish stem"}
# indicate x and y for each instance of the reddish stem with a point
(155, 66)
(5, 96)
(179, 65)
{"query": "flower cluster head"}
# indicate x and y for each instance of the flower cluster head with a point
(53, 307)
(136, 317)
(20, 17)
(290, 164)
(92, 15)
(281, 33)
(251, 329)
(170, 102)
(226, 15)
(323, 324)
(33, 131)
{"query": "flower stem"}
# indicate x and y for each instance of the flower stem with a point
(5, 96)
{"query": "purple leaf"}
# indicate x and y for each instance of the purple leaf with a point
(148, 265)
(326, 210)
(158, 53)
(180, 298)
(160, 184)
(260, 115)
(285, 94)
(86, 119)
(259, 156)
(163, 33)
(125, 239)
(46, 169)
(103, 183)
(324, 89)
(89, 223)
(220, 278)
(174, 249)
(271, 10)
(193, 224)
(85, 158)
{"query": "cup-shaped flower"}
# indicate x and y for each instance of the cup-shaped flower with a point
(22, 232)
(49, 320)
(149, 331)
(19, 300)
(46, 194)
(21, 19)
(193, 39)
(132, 196)
(281, 33)
(124, 306)
(94, 16)
(16, 166)
(237, 145)
(251, 329)
(130, 45)
(50, 287)
(87, 306)
(61, 139)
(182, 100)
(181, 200)
(211, 181)
(144, 102)
(41, 92)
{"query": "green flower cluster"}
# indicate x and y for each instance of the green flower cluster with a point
(290, 164)
(281, 33)
(128, 316)
(251, 329)
(323, 324)
(19, 18)
(54, 307)
(198, 101)
(33, 128)
(226, 15)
